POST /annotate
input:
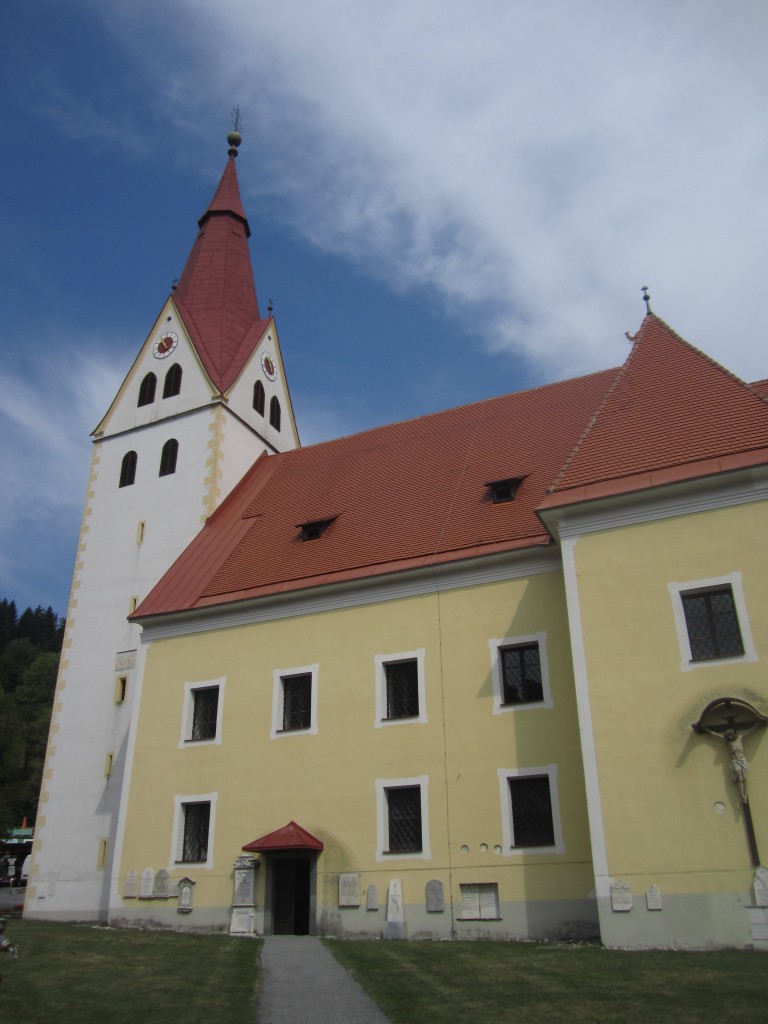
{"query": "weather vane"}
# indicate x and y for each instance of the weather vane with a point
(646, 298)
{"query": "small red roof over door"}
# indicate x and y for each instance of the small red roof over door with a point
(289, 837)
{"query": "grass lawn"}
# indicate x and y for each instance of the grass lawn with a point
(86, 974)
(526, 983)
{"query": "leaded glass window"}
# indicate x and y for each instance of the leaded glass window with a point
(402, 679)
(531, 811)
(521, 674)
(404, 811)
(712, 623)
(297, 702)
(205, 712)
(197, 819)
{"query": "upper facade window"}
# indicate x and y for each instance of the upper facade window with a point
(294, 703)
(128, 469)
(711, 621)
(168, 457)
(147, 389)
(259, 397)
(274, 412)
(172, 383)
(520, 673)
(400, 688)
(201, 715)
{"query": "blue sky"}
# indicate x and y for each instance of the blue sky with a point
(447, 200)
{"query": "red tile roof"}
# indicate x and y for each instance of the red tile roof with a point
(672, 413)
(289, 837)
(216, 295)
(405, 495)
(415, 494)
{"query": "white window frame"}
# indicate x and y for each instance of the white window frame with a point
(177, 841)
(382, 818)
(469, 890)
(380, 662)
(188, 711)
(278, 675)
(505, 774)
(676, 591)
(495, 647)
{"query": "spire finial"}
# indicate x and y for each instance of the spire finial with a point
(234, 138)
(646, 298)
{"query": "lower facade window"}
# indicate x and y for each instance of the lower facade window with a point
(168, 457)
(402, 818)
(480, 902)
(197, 821)
(530, 810)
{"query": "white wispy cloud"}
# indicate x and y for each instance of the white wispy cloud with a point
(536, 163)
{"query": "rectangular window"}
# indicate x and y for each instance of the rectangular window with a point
(121, 689)
(711, 621)
(197, 818)
(521, 674)
(712, 624)
(101, 856)
(400, 688)
(480, 902)
(530, 810)
(294, 701)
(404, 817)
(402, 680)
(108, 762)
(205, 712)
(297, 702)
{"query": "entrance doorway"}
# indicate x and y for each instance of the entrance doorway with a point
(290, 895)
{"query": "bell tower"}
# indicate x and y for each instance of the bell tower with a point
(206, 396)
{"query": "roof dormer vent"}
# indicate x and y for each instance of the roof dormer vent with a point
(315, 529)
(504, 490)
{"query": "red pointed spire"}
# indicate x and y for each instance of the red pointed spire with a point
(216, 294)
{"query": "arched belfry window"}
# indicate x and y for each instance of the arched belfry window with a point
(274, 413)
(168, 457)
(128, 469)
(172, 385)
(259, 397)
(147, 389)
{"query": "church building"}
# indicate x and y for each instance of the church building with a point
(496, 672)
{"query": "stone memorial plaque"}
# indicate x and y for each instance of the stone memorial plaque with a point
(125, 660)
(131, 890)
(372, 900)
(173, 888)
(147, 884)
(621, 897)
(395, 926)
(186, 886)
(243, 887)
(242, 921)
(435, 901)
(349, 889)
(760, 887)
(160, 890)
(653, 898)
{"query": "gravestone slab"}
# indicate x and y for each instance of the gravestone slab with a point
(131, 888)
(621, 897)
(349, 889)
(242, 922)
(161, 887)
(147, 886)
(760, 887)
(653, 898)
(435, 900)
(244, 883)
(395, 926)
(372, 899)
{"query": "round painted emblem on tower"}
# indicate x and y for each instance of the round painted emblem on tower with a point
(164, 345)
(269, 366)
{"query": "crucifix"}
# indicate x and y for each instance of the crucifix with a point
(731, 720)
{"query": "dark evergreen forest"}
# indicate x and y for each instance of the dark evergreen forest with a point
(30, 646)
